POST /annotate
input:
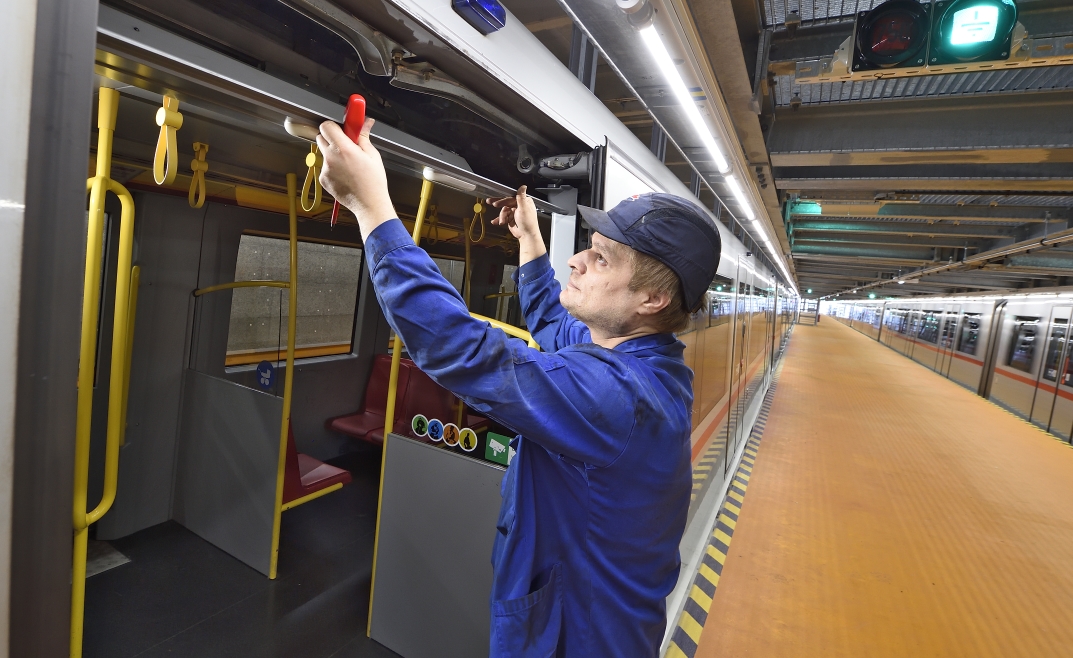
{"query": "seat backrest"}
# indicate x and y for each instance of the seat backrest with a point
(376, 389)
(425, 397)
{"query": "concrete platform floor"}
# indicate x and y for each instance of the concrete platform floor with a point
(892, 512)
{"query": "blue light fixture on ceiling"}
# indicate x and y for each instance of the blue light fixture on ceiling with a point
(486, 16)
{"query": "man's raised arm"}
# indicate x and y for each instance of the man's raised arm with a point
(538, 291)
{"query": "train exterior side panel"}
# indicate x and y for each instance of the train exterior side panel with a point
(1024, 338)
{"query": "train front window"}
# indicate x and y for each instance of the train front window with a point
(1023, 346)
(1054, 349)
(970, 334)
(328, 276)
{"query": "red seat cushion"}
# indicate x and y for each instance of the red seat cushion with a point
(317, 475)
(304, 475)
(357, 425)
(371, 416)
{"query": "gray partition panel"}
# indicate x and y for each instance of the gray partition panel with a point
(433, 571)
(225, 484)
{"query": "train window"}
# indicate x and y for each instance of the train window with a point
(453, 270)
(328, 276)
(1023, 346)
(970, 334)
(949, 328)
(929, 327)
(1054, 349)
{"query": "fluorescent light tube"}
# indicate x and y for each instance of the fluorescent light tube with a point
(685, 98)
(739, 195)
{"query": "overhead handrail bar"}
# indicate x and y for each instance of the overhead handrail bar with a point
(241, 284)
(166, 157)
(508, 329)
(197, 181)
(119, 377)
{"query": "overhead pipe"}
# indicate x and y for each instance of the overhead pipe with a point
(1052, 240)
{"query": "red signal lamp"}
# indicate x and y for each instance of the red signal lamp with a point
(893, 34)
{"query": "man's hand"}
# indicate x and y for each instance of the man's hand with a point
(519, 215)
(354, 174)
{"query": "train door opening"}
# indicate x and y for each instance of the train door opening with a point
(1017, 364)
(951, 321)
(739, 364)
(1053, 374)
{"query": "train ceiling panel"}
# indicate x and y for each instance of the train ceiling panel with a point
(147, 61)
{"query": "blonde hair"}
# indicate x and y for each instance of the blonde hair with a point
(650, 274)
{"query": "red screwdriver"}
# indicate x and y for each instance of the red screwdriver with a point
(353, 120)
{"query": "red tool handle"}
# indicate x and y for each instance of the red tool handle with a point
(353, 120)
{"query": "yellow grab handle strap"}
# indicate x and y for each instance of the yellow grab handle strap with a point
(314, 160)
(433, 225)
(478, 217)
(169, 120)
(197, 182)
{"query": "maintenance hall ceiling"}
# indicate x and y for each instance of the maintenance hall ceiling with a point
(873, 179)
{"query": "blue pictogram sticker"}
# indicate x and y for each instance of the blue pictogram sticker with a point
(266, 375)
(435, 429)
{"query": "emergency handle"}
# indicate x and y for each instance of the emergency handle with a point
(353, 120)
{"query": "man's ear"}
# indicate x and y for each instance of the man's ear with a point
(653, 302)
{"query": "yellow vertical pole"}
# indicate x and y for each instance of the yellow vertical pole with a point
(288, 383)
(108, 106)
(392, 384)
(135, 281)
(99, 186)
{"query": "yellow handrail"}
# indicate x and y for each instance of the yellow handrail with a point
(288, 382)
(508, 329)
(241, 284)
(98, 187)
(389, 413)
(135, 282)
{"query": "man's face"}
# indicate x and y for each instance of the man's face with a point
(598, 293)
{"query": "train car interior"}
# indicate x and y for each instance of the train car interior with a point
(235, 424)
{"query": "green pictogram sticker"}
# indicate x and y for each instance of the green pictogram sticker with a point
(498, 449)
(419, 425)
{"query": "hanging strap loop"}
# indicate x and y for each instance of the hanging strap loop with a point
(478, 217)
(169, 120)
(314, 161)
(433, 223)
(197, 182)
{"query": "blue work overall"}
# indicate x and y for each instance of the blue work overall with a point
(596, 497)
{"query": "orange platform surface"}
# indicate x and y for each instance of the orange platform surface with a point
(892, 512)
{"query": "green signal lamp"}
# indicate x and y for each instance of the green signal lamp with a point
(809, 291)
(972, 30)
(871, 295)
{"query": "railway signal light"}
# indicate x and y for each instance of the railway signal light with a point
(971, 30)
(894, 34)
(906, 33)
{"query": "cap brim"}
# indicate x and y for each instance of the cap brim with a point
(602, 223)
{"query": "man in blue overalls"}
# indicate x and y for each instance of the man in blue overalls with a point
(595, 499)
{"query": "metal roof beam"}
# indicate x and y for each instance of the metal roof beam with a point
(945, 242)
(923, 229)
(1005, 128)
(913, 184)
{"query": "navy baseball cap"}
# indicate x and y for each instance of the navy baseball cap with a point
(668, 228)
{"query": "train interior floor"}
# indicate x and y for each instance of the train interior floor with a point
(181, 596)
(891, 512)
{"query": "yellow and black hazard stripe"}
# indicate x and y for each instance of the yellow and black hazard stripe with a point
(686, 636)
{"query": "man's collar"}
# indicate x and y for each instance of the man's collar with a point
(647, 342)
